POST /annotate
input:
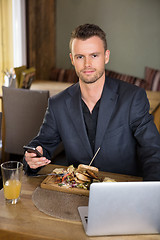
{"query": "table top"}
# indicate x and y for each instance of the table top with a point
(154, 100)
(25, 221)
(53, 86)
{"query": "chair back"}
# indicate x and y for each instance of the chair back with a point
(23, 113)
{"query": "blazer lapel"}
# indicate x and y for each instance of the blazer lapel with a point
(76, 115)
(107, 104)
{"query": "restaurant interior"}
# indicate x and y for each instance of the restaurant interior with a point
(35, 64)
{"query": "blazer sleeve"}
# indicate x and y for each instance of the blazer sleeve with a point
(147, 136)
(48, 138)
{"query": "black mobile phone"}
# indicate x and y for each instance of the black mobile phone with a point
(32, 150)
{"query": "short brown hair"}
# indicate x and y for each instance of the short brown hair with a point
(86, 31)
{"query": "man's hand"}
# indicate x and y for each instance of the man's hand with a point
(34, 161)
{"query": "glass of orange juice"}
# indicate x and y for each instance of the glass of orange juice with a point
(12, 180)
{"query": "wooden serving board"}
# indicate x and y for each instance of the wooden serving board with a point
(48, 183)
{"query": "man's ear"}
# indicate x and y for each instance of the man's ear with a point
(107, 54)
(71, 57)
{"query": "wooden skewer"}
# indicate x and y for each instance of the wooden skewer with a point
(94, 156)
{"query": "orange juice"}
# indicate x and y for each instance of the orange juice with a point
(12, 189)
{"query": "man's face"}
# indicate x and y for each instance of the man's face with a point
(89, 58)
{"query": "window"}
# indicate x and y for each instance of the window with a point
(12, 35)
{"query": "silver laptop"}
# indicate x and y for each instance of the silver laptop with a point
(119, 208)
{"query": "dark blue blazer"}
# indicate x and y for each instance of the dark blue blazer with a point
(126, 133)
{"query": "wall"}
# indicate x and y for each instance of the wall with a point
(132, 27)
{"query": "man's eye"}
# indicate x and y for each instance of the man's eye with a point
(94, 55)
(79, 57)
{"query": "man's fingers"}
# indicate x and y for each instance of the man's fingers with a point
(35, 162)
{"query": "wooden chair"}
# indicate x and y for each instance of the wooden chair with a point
(23, 113)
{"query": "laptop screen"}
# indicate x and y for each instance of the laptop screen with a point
(122, 208)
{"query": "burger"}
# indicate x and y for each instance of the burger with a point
(86, 173)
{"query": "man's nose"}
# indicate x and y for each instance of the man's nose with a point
(87, 62)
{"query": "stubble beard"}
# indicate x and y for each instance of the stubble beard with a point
(89, 80)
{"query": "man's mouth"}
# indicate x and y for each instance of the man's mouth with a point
(88, 71)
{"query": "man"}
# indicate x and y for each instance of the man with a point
(98, 112)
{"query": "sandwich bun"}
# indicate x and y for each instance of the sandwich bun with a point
(83, 167)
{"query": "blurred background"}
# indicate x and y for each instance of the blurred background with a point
(37, 32)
